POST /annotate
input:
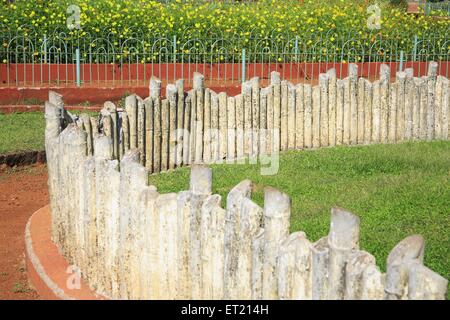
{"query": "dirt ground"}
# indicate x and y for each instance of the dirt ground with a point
(22, 191)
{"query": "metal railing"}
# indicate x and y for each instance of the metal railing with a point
(438, 8)
(60, 58)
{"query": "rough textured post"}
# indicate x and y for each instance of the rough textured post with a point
(239, 126)
(131, 109)
(212, 247)
(155, 88)
(52, 131)
(376, 113)
(382, 104)
(193, 125)
(410, 248)
(165, 114)
(342, 240)
(232, 232)
(299, 117)
(294, 268)
(438, 108)
(316, 117)
(308, 115)
(180, 122)
(277, 212)
(222, 126)
(270, 119)
(166, 206)
(284, 115)
(431, 106)
(207, 128)
(276, 83)
(263, 136)
(88, 128)
(112, 109)
(324, 79)
(187, 131)
(423, 108)
(148, 105)
(424, 284)
(215, 144)
(200, 189)
(417, 83)
(347, 111)
(361, 110)
(157, 134)
(199, 87)
(247, 97)
(255, 115)
(392, 113)
(141, 129)
(107, 125)
(133, 180)
(332, 106)
(409, 104)
(340, 112)
(401, 82)
(319, 268)
(445, 109)
(291, 116)
(353, 75)
(257, 264)
(150, 263)
(357, 263)
(372, 283)
(368, 97)
(231, 126)
(172, 94)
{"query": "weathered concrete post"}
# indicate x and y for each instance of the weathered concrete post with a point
(172, 94)
(180, 122)
(155, 95)
(324, 80)
(353, 76)
(276, 84)
(382, 103)
(131, 109)
(342, 240)
(277, 212)
(431, 106)
(199, 87)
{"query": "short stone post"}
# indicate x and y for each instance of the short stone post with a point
(277, 212)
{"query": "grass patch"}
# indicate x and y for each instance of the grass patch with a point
(22, 132)
(396, 190)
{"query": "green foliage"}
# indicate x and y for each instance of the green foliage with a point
(143, 30)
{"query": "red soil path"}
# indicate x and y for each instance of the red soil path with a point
(22, 192)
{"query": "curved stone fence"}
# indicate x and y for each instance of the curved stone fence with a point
(202, 126)
(131, 242)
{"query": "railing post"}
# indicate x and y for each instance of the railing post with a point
(400, 68)
(296, 48)
(415, 49)
(243, 65)
(77, 57)
(45, 48)
(174, 57)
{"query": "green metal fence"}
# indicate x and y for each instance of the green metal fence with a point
(76, 58)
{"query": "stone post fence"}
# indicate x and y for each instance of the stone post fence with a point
(132, 242)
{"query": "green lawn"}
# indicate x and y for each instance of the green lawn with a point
(21, 131)
(397, 190)
(24, 131)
